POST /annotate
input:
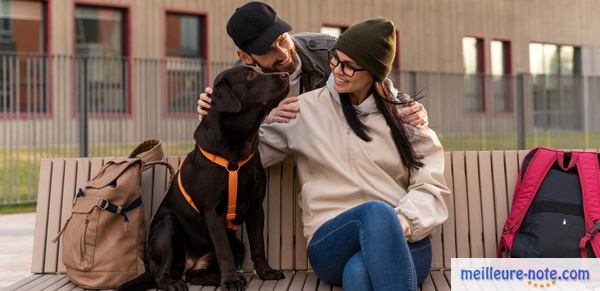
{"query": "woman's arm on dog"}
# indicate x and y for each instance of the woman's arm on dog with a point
(283, 113)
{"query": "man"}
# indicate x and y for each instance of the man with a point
(263, 40)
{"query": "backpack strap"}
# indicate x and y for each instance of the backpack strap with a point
(116, 209)
(526, 188)
(589, 178)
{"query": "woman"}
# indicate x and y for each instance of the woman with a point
(372, 189)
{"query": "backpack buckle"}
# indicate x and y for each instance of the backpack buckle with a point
(103, 203)
(594, 229)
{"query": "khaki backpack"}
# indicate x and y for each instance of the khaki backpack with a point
(104, 239)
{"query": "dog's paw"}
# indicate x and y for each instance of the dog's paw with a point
(235, 285)
(271, 274)
(203, 277)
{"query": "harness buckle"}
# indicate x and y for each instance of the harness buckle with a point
(232, 167)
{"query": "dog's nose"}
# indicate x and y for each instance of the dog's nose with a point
(284, 75)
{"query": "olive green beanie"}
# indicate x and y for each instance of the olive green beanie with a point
(372, 44)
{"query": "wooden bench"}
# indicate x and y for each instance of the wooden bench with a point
(481, 183)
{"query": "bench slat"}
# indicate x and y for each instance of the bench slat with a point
(311, 282)
(95, 166)
(83, 172)
(487, 204)
(298, 281)
(448, 228)
(268, 285)
(474, 205)
(439, 281)
(272, 223)
(67, 204)
(460, 202)
(511, 165)
(522, 154)
(284, 284)
(300, 257)
(23, 281)
(64, 280)
(324, 286)
(32, 285)
(56, 194)
(52, 281)
(287, 217)
(41, 217)
(254, 284)
(147, 189)
(500, 191)
(427, 284)
(161, 174)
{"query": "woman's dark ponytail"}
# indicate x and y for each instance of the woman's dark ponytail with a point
(388, 109)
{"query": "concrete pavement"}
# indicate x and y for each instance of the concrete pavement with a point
(16, 245)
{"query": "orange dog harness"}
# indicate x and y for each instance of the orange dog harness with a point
(233, 184)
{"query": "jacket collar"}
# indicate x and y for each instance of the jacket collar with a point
(367, 107)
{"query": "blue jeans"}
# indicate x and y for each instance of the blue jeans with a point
(364, 249)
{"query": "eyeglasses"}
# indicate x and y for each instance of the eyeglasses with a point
(348, 69)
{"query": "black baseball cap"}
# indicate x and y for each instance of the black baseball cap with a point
(255, 26)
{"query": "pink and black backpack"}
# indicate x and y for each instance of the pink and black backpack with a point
(555, 208)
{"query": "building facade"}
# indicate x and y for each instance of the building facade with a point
(486, 67)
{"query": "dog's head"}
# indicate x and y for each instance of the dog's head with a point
(243, 96)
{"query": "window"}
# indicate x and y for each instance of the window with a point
(101, 58)
(474, 74)
(333, 30)
(501, 75)
(187, 69)
(23, 67)
(557, 88)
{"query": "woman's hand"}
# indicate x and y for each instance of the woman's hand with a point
(405, 225)
(411, 112)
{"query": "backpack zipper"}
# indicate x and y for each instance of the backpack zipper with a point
(82, 247)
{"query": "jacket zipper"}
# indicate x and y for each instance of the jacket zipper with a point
(348, 151)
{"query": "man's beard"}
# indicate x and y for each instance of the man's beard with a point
(279, 66)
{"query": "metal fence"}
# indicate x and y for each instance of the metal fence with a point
(65, 106)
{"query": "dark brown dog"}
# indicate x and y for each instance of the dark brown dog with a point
(182, 241)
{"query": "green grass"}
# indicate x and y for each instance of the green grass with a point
(564, 140)
(22, 188)
(17, 208)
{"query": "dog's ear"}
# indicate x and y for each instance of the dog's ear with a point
(224, 99)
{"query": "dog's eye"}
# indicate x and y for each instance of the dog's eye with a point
(250, 75)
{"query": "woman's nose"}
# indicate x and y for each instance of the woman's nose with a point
(338, 69)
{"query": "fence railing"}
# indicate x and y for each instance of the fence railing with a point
(66, 106)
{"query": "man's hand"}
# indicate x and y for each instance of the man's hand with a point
(414, 113)
(284, 112)
(204, 102)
